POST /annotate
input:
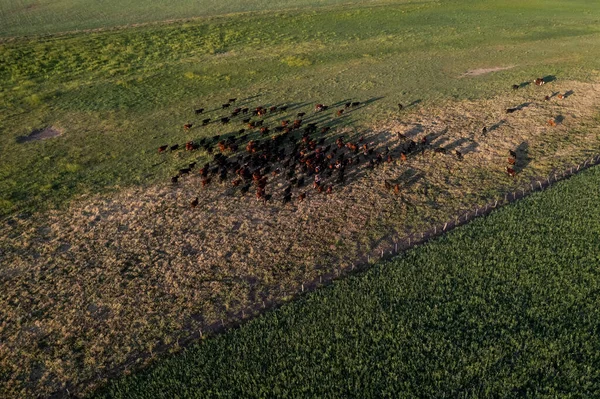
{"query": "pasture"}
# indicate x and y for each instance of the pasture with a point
(106, 264)
(474, 314)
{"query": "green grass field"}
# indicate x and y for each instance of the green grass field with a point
(118, 95)
(504, 307)
(39, 17)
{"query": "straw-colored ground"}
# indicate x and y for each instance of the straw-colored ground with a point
(115, 279)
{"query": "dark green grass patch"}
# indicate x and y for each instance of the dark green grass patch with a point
(507, 306)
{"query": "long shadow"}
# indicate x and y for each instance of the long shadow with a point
(524, 84)
(523, 106)
(569, 93)
(456, 144)
(559, 119)
(416, 102)
(522, 157)
(363, 105)
(497, 125)
(549, 78)
(470, 148)
(415, 131)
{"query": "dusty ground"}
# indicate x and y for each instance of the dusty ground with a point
(483, 71)
(88, 291)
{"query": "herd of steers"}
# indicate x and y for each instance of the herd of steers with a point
(296, 151)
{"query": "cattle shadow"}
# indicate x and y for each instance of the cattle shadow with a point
(523, 160)
(569, 93)
(524, 84)
(559, 119)
(522, 106)
(414, 131)
(497, 125)
(549, 78)
(363, 104)
(456, 144)
(415, 102)
(470, 148)
(432, 137)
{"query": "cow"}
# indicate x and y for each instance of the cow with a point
(205, 121)
(194, 203)
(511, 172)
(515, 87)
(301, 197)
(199, 111)
(551, 122)
(512, 153)
(339, 112)
(539, 81)
(225, 120)
(223, 106)
(232, 100)
(162, 148)
(184, 171)
(174, 179)
(174, 147)
(187, 126)
(355, 104)
(400, 107)
(511, 110)
(459, 155)
(512, 161)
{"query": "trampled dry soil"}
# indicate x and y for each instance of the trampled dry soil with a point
(85, 292)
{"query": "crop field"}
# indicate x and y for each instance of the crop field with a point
(507, 306)
(106, 263)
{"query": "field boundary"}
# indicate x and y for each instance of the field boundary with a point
(394, 247)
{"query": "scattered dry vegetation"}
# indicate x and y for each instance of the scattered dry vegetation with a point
(117, 279)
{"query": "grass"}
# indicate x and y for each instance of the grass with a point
(506, 306)
(26, 17)
(90, 220)
(118, 95)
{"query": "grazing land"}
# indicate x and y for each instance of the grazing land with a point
(39, 17)
(507, 306)
(105, 263)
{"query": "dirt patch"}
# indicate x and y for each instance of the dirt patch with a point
(118, 278)
(483, 71)
(40, 134)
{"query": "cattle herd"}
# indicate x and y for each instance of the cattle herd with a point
(306, 157)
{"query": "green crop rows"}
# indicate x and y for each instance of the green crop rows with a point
(507, 306)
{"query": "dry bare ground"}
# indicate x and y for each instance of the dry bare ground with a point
(114, 280)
